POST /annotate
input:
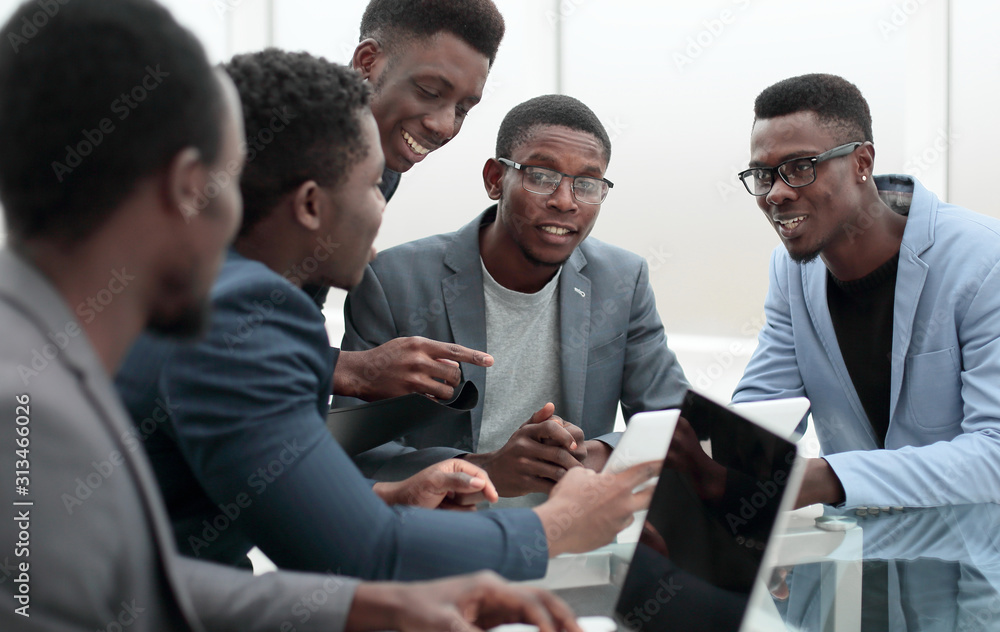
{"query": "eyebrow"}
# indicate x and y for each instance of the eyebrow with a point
(587, 169)
(448, 86)
(792, 156)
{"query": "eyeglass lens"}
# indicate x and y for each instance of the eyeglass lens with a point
(545, 181)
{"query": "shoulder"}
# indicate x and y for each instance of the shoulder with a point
(955, 223)
(245, 285)
(414, 263)
(602, 257)
(424, 251)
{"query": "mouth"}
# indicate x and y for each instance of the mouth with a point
(412, 143)
(556, 230)
(788, 227)
(556, 235)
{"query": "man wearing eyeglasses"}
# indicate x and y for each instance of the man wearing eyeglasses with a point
(571, 322)
(883, 309)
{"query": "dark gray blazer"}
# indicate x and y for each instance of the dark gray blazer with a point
(613, 346)
(101, 551)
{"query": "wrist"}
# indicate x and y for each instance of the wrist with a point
(598, 454)
(376, 606)
(546, 515)
(345, 375)
(480, 460)
(833, 489)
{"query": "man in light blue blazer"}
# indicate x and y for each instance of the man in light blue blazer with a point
(568, 319)
(883, 309)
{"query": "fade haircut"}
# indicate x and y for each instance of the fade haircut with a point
(303, 122)
(476, 22)
(550, 109)
(100, 94)
(837, 103)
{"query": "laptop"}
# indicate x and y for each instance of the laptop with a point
(781, 416)
(707, 542)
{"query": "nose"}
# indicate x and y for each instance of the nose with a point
(562, 198)
(780, 193)
(441, 124)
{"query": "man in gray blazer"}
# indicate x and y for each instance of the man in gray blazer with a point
(102, 243)
(568, 320)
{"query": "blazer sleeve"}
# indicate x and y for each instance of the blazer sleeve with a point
(248, 422)
(773, 370)
(652, 378)
(233, 600)
(368, 323)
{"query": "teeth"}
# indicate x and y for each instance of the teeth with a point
(791, 223)
(414, 145)
(555, 230)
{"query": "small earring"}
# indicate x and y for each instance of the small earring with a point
(864, 178)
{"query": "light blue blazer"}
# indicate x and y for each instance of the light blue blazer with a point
(613, 348)
(943, 442)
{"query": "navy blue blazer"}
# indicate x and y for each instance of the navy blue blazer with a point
(613, 347)
(235, 427)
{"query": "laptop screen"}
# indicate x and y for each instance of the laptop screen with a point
(709, 523)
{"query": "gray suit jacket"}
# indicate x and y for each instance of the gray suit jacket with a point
(613, 345)
(100, 553)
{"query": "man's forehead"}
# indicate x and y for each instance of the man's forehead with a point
(799, 133)
(557, 141)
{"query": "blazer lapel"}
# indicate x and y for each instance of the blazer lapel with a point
(814, 280)
(574, 325)
(918, 236)
(466, 307)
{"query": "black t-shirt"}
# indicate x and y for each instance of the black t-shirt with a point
(862, 311)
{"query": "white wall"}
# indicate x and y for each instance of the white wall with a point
(674, 82)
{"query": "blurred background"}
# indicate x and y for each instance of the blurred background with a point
(674, 83)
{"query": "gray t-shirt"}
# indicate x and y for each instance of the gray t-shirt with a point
(522, 335)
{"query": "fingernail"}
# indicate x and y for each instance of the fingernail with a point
(573, 446)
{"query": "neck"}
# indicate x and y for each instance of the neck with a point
(872, 240)
(265, 245)
(509, 265)
(105, 289)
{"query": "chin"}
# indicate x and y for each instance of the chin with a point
(803, 257)
(190, 322)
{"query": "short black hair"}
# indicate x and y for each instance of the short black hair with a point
(549, 109)
(94, 96)
(836, 101)
(477, 22)
(302, 118)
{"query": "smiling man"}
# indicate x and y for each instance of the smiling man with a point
(427, 62)
(570, 321)
(883, 309)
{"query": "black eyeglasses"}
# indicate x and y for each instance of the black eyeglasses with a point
(797, 172)
(545, 181)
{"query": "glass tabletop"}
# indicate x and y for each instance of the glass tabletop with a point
(881, 569)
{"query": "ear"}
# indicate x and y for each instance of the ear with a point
(366, 57)
(184, 186)
(493, 172)
(307, 205)
(866, 160)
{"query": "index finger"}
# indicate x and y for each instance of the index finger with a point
(458, 353)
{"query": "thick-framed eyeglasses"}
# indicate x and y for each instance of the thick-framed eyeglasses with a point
(544, 181)
(796, 173)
